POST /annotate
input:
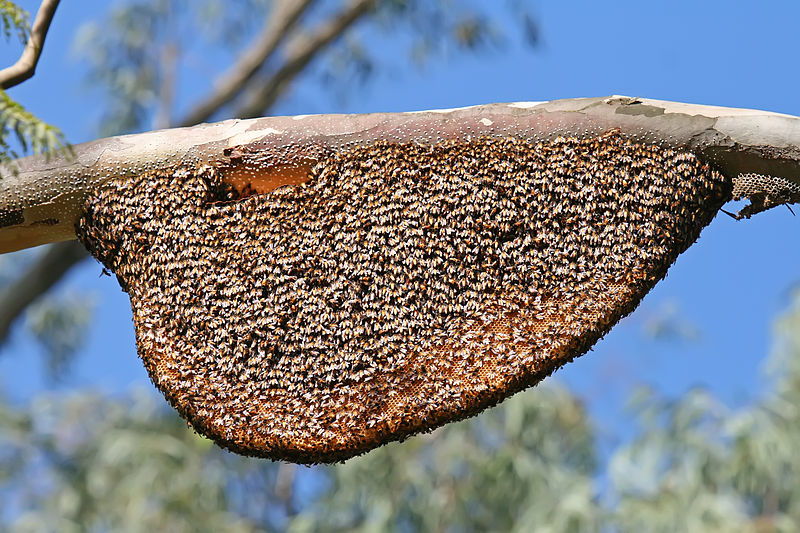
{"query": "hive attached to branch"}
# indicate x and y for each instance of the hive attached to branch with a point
(308, 288)
(400, 286)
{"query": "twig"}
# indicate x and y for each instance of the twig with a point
(25, 66)
(284, 18)
(264, 93)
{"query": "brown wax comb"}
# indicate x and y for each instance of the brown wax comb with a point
(330, 284)
(402, 286)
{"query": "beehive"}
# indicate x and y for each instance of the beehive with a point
(403, 286)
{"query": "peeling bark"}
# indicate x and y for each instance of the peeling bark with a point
(40, 195)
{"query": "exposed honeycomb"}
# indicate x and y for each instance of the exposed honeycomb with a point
(764, 192)
(404, 286)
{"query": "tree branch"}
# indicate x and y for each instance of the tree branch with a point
(41, 198)
(25, 66)
(285, 16)
(266, 92)
(46, 271)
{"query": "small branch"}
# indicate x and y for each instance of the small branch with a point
(284, 18)
(25, 66)
(46, 271)
(166, 96)
(266, 92)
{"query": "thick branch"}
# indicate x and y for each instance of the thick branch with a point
(25, 66)
(285, 16)
(45, 272)
(266, 92)
(40, 201)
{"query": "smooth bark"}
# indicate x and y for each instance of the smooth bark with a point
(40, 197)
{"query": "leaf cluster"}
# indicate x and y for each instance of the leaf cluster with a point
(14, 21)
(21, 131)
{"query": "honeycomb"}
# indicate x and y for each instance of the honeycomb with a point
(403, 286)
(764, 192)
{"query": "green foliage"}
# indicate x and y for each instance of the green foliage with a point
(431, 30)
(526, 464)
(124, 57)
(697, 465)
(14, 20)
(20, 126)
(438, 26)
(224, 26)
(89, 462)
(84, 463)
(671, 478)
(125, 51)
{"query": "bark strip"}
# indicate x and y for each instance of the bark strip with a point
(40, 195)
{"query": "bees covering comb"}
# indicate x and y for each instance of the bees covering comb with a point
(403, 286)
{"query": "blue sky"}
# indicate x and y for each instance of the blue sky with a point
(729, 287)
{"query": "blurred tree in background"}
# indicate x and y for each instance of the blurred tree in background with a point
(83, 461)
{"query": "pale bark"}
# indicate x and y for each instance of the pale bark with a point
(25, 67)
(40, 199)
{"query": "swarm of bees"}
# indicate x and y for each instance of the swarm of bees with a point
(405, 285)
